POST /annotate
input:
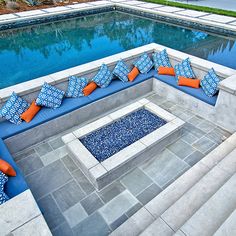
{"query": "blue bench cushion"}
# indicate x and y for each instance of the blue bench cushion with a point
(17, 184)
(45, 114)
(197, 93)
(117, 85)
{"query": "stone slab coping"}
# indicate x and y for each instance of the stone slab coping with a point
(18, 211)
(98, 170)
(62, 76)
(184, 14)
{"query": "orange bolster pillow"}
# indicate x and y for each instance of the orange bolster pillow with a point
(166, 70)
(6, 168)
(194, 83)
(31, 112)
(89, 88)
(133, 74)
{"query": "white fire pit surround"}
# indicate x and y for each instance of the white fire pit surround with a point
(103, 173)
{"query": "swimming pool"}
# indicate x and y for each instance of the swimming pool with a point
(34, 51)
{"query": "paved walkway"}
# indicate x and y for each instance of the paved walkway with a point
(71, 205)
(221, 4)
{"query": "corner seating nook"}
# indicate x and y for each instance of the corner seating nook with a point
(8, 130)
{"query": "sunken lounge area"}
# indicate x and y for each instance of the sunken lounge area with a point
(161, 181)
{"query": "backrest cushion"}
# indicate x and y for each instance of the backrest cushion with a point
(161, 59)
(104, 77)
(3, 180)
(144, 63)
(13, 108)
(76, 86)
(121, 71)
(184, 69)
(50, 96)
(210, 83)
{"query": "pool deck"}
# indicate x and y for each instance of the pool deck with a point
(204, 18)
(70, 203)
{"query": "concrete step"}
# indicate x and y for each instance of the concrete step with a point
(214, 212)
(176, 215)
(228, 228)
(158, 227)
(157, 206)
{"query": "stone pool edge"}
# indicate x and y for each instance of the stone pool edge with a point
(103, 173)
(177, 15)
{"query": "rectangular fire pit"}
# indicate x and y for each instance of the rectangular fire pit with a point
(113, 145)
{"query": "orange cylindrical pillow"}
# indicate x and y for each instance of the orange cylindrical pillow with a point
(162, 70)
(194, 83)
(133, 74)
(89, 88)
(31, 112)
(6, 168)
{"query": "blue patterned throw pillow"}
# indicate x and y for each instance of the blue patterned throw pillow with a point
(161, 59)
(104, 77)
(50, 96)
(3, 180)
(13, 108)
(121, 71)
(76, 86)
(184, 69)
(210, 83)
(144, 63)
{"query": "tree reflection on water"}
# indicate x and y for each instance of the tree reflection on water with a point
(48, 48)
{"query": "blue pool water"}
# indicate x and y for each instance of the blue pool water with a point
(107, 141)
(34, 51)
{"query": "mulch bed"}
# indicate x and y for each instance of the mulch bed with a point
(25, 7)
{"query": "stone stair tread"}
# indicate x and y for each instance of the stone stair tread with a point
(194, 198)
(135, 224)
(158, 227)
(213, 213)
(228, 228)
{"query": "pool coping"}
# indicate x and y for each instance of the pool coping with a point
(103, 173)
(196, 17)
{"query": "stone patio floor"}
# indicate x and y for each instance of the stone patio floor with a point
(70, 203)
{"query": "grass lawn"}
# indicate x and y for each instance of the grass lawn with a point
(193, 7)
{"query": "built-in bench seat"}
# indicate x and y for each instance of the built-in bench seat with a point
(8, 129)
(197, 93)
(17, 184)
(70, 104)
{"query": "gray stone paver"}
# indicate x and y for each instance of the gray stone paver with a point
(69, 163)
(117, 206)
(48, 179)
(30, 164)
(204, 144)
(56, 143)
(217, 18)
(51, 212)
(93, 225)
(43, 148)
(181, 149)
(55, 182)
(91, 203)
(149, 193)
(75, 214)
(136, 181)
(68, 195)
(193, 158)
(192, 13)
